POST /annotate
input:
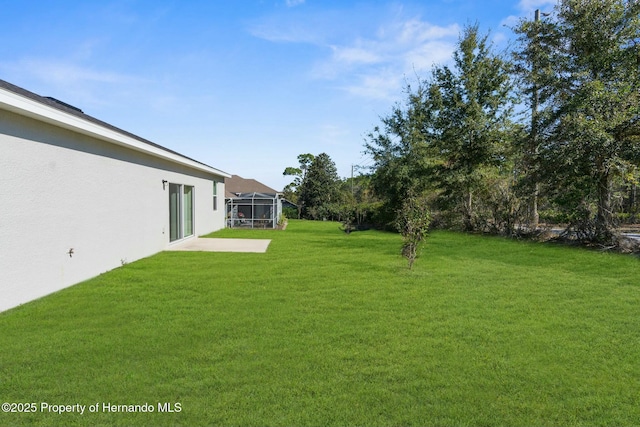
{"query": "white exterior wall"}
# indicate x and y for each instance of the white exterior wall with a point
(61, 189)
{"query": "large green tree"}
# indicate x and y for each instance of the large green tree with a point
(534, 71)
(319, 193)
(451, 138)
(474, 103)
(589, 125)
(402, 149)
(291, 191)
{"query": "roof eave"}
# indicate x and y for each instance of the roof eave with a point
(30, 108)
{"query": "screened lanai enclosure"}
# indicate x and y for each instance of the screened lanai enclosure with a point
(253, 210)
(251, 204)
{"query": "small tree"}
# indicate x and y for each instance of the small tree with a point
(412, 222)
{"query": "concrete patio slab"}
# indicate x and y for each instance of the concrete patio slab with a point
(222, 245)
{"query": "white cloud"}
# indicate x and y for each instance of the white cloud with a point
(416, 31)
(331, 134)
(297, 32)
(377, 66)
(384, 84)
(428, 54)
(364, 58)
(82, 86)
(293, 3)
(355, 55)
(63, 73)
(499, 38)
(511, 21)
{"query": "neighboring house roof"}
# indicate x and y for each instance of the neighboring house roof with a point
(239, 185)
(51, 110)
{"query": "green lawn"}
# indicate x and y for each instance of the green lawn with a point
(333, 329)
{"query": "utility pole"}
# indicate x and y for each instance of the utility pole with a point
(535, 217)
(352, 179)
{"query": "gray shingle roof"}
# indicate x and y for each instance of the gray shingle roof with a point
(237, 184)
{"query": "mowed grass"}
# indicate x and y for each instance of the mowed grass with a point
(333, 329)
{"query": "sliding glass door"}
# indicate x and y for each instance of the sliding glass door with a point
(175, 213)
(180, 211)
(188, 210)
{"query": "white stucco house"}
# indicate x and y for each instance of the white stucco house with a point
(79, 197)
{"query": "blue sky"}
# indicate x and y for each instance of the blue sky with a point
(244, 86)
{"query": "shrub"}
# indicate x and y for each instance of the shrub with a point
(413, 222)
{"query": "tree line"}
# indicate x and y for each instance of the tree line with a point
(320, 194)
(547, 131)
